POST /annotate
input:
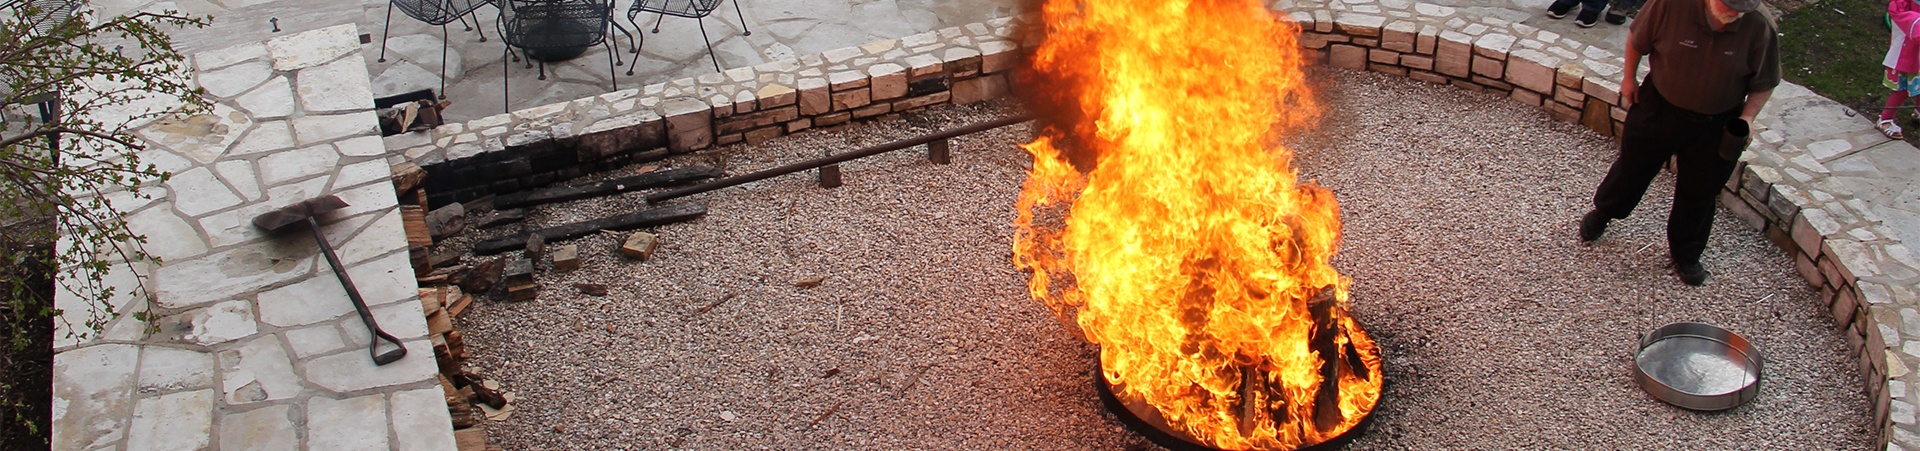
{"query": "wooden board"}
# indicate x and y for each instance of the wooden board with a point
(414, 220)
(644, 218)
(604, 188)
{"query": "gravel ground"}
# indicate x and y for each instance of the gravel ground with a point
(1500, 331)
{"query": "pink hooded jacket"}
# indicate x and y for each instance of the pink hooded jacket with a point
(1903, 54)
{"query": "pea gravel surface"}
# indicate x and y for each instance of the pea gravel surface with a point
(886, 313)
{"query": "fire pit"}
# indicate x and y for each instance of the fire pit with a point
(1161, 222)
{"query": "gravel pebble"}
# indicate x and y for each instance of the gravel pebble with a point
(886, 313)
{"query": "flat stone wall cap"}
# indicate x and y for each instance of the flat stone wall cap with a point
(311, 48)
(338, 86)
(352, 370)
(229, 56)
(676, 107)
(231, 81)
(1494, 45)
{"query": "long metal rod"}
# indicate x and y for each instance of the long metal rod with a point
(836, 159)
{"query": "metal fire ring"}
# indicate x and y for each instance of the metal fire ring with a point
(1146, 421)
(1697, 366)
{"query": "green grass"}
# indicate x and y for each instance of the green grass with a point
(1834, 47)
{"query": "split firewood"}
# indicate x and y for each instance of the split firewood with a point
(456, 345)
(407, 176)
(434, 278)
(566, 258)
(484, 394)
(462, 414)
(431, 301)
(471, 439)
(413, 219)
(439, 323)
(444, 258)
(459, 304)
(525, 292)
(440, 350)
(640, 246)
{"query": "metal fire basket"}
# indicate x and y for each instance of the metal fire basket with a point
(1698, 366)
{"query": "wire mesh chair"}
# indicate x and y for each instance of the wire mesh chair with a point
(43, 16)
(547, 30)
(433, 12)
(693, 9)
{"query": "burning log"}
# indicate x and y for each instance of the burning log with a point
(1326, 402)
(1252, 385)
(605, 188)
(643, 218)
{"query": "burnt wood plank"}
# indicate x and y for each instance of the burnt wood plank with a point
(644, 218)
(605, 188)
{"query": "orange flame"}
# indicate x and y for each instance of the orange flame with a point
(1162, 221)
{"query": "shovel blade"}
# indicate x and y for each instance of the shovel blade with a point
(284, 216)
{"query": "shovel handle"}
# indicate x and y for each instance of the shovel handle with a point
(359, 305)
(383, 358)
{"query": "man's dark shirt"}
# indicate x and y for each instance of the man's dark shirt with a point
(1703, 70)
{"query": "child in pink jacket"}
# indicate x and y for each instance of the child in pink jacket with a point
(1902, 62)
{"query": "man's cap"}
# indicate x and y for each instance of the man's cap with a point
(1745, 6)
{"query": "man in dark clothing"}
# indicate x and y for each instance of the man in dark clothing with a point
(1714, 64)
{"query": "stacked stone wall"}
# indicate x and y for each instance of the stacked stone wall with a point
(539, 146)
(1840, 246)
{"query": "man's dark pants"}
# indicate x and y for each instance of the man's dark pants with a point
(1656, 130)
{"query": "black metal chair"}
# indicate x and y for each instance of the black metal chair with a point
(693, 9)
(433, 12)
(553, 30)
(43, 16)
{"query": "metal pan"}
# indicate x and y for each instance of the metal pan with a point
(1697, 366)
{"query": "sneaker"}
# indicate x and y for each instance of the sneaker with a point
(1616, 18)
(1587, 18)
(1620, 10)
(1691, 273)
(1592, 225)
(1559, 9)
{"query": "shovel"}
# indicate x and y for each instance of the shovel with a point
(306, 211)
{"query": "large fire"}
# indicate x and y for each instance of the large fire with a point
(1163, 220)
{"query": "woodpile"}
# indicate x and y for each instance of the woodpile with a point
(465, 391)
(451, 279)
